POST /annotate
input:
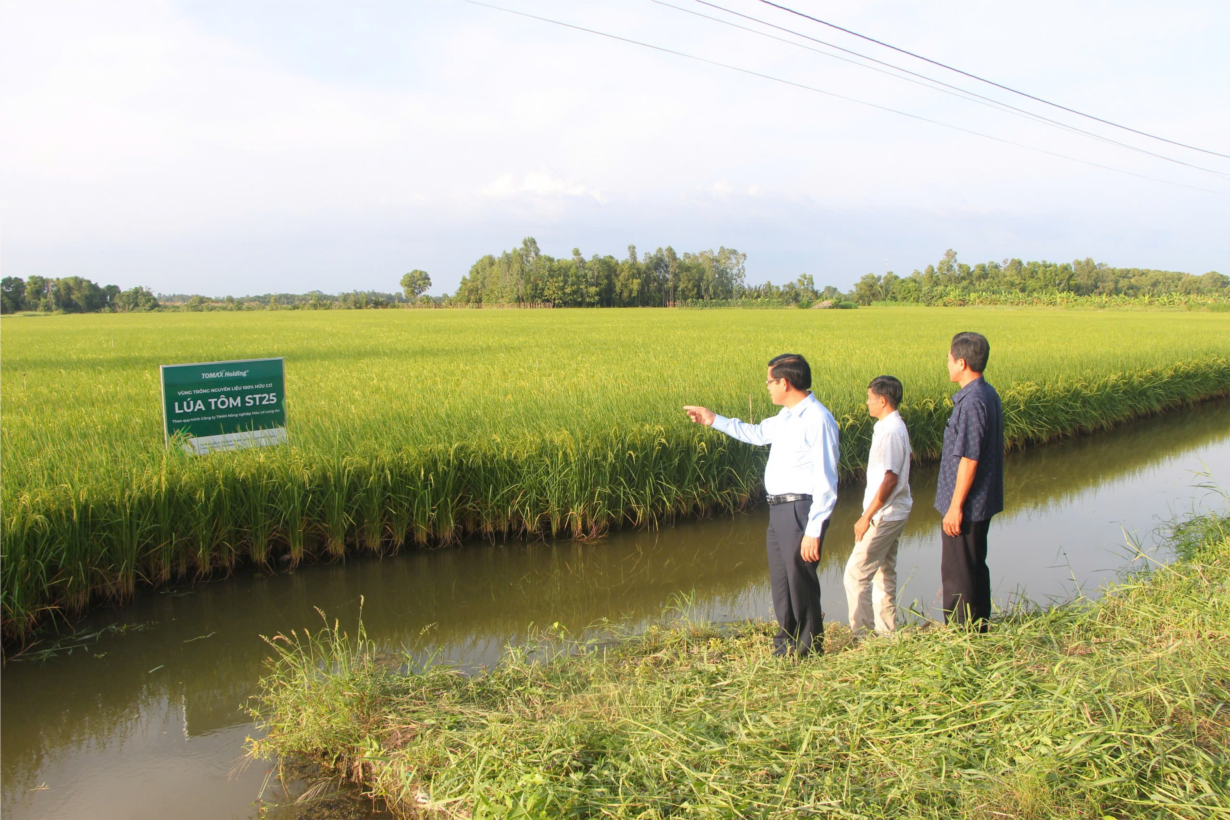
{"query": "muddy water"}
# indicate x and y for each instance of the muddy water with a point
(147, 720)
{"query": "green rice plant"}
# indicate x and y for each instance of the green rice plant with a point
(1113, 708)
(433, 426)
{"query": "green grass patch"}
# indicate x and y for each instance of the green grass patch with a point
(424, 427)
(1116, 708)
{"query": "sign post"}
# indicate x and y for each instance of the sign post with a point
(224, 405)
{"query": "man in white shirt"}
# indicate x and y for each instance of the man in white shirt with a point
(871, 572)
(801, 482)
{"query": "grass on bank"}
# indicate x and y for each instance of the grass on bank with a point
(1110, 709)
(424, 427)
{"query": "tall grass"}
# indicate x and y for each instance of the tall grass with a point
(1116, 708)
(424, 427)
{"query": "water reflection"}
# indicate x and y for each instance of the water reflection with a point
(148, 723)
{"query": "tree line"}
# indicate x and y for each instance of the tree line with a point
(950, 280)
(74, 294)
(71, 294)
(524, 276)
(312, 300)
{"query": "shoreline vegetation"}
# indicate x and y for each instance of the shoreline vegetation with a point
(426, 429)
(525, 277)
(1085, 710)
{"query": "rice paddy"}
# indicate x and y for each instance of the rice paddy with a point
(424, 427)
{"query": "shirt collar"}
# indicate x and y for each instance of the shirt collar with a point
(970, 388)
(889, 419)
(801, 407)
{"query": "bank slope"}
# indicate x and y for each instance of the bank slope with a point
(1115, 708)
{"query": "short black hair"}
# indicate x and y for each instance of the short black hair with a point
(793, 368)
(889, 387)
(973, 347)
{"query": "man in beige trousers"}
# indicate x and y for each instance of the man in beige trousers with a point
(871, 572)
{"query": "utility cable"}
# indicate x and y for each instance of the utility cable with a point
(922, 80)
(990, 82)
(835, 95)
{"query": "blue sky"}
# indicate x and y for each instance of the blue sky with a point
(253, 147)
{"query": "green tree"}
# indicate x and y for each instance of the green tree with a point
(12, 294)
(38, 289)
(135, 300)
(868, 290)
(415, 284)
(1214, 282)
(74, 294)
(889, 287)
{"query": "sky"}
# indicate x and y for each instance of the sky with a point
(253, 147)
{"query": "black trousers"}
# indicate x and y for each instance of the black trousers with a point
(796, 589)
(967, 581)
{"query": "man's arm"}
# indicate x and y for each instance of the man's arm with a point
(896, 455)
(972, 431)
(965, 480)
(886, 489)
(824, 455)
(758, 434)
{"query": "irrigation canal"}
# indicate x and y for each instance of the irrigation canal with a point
(147, 720)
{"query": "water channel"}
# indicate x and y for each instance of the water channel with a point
(148, 720)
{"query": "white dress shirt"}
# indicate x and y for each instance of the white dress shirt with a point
(890, 452)
(802, 454)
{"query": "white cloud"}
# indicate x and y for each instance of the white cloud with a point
(539, 184)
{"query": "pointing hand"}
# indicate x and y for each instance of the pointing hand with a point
(700, 415)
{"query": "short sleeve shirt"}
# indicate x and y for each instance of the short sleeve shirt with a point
(976, 431)
(890, 452)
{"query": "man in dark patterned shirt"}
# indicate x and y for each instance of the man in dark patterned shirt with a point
(971, 482)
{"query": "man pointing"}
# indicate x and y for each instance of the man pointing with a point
(801, 482)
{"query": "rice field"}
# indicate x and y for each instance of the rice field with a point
(424, 427)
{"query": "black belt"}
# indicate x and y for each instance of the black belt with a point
(787, 498)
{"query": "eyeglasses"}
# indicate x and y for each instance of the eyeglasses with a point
(771, 381)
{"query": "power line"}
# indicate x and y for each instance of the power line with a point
(835, 95)
(991, 82)
(956, 91)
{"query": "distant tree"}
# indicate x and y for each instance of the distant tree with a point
(889, 285)
(110, 294)
(415, 284)
(868, 290)
(135, 300)
(196, 303)
(12, 294)
(38, 293)
(74, 294)
(628, 280)
(1212, 282)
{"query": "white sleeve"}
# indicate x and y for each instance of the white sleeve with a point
(758, 434)
(825, 452)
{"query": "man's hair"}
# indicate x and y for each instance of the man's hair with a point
(973, 347)
(793, 368)
(889, 388)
